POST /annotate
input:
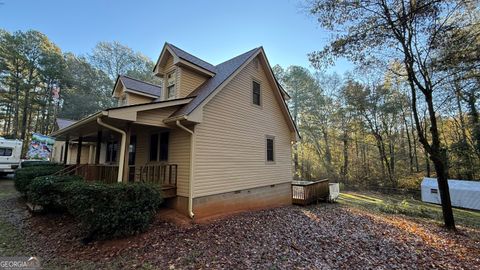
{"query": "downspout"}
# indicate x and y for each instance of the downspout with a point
(121, 162)
(192, 155)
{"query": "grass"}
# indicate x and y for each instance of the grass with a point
(11, 241)
(408, 206)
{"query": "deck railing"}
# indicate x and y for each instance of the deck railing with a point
(307, 192)
(98, 172)
(159, 174)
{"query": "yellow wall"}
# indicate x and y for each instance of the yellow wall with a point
(133, 99)
(189, 81)
(230, 150)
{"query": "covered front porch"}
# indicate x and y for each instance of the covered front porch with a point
(112, 150)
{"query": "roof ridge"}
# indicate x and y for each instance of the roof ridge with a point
(224, 62)
(198, 58)
(152, 84)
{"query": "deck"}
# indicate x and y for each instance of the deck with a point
(307, 192)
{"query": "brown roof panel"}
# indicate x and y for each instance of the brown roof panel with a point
(192, 59)
(224, 71)
(63, 123)
(141, 86)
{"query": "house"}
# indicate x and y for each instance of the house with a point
(217, 139)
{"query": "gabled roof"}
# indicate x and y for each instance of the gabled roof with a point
(224, 71)
(191, 58)
(138, 86)
(63, 123)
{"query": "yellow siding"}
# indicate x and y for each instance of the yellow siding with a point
(189, 81)
(133, 99)
(179, 153)
(72, 154)
(230, 142)
(155, 117)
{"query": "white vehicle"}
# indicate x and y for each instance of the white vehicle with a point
(10, 151)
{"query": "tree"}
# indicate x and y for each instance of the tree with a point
(407, 31)
(116, 59)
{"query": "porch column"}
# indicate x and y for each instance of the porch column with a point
(65, 150)
(127, 147)
(99, 145)
(79, 149)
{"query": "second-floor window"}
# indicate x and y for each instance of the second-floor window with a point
(171, 82)
(122, 101)
(256, 93)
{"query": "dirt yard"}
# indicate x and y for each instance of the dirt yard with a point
(324, 236)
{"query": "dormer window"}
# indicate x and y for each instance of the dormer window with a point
(122, 100)
(171, 81)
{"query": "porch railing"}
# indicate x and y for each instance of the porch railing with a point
(95, 172)
(159, 174)
(307, 192)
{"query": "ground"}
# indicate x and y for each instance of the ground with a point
(361, 231)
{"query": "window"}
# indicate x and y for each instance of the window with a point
(159, 146)
(433, 191)
(171, 92)
(122, 101)
(164, 146)
(171, 81)
(153, 147)
(112, 148)
(5, 152)
(270, 149)
(256, 93)
(132, 149)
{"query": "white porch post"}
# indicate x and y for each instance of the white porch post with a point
(121, 161)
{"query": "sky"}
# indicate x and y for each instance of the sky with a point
(211, 30)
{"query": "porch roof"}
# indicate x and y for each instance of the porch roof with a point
(118, 117)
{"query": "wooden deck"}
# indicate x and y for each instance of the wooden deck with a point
(307, 192)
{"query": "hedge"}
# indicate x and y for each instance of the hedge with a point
(34, 163)
(24, 176)
(112, 210)
(106, 211)
(46, 191)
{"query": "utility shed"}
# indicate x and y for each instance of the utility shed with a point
(465, 194)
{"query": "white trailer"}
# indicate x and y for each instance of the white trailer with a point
(10, 151)
(464, 194)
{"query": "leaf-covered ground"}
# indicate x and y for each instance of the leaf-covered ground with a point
(324, 236)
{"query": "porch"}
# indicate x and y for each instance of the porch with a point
(112, 149)
(162, 175)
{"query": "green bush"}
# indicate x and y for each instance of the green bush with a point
(105, 210)
(35, 163)
(112, 210)
(47, 191)
(24, 176)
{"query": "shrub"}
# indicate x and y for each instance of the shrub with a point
(34, 163)
(47, 191)
(112, 210)
(24, 176)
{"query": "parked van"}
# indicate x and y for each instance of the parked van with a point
(10, 151)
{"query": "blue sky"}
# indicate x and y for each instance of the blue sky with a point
(212, 30)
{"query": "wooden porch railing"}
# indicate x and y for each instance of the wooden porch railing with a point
(307, 192)
(159, 174)
(98, 172)
(162, 175)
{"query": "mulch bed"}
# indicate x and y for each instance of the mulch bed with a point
(324, 236)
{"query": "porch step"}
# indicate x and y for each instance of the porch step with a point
(169, 191)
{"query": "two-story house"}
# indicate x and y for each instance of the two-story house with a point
(217, 138)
